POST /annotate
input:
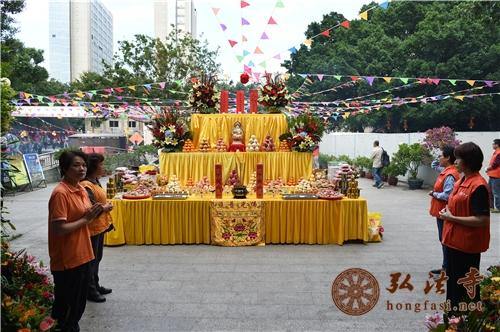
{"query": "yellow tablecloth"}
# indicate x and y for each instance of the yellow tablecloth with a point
(195, 165)
(286, 221)
(214, 126)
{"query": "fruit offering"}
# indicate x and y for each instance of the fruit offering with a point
(291, 181)
(173, 185)
(304, 186)
(162, 180)
(284, 147)
(189, 182)
(330, 194)
(253, 144)
(203, 186)
(204, 145)
(220, 146)
(274, 187)
(268, 144)
(188, 146)
(233, 178)
(253, 182)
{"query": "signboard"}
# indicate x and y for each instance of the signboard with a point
(34, 168)
(17, 177)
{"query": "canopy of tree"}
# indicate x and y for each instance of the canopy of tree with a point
(445, 39)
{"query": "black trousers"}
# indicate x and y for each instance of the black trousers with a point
(97, 247)
(70, 296)
(459, 263)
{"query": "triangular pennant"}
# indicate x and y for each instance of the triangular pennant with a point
(244, 39)
(308, 42)
(346, 115)
(453, 82)
(337, 77)
(240, 58)
(404, 80)
(470, 82)
(80, 94)
(244, 4)
(354, 78)
(271, 21)
(244, 22)
(216, 11)
(345, 24)
(245, 53)
(257, 76)
(303, 75)
(162, 85)
(232, 42)
(320, 77)
(147, 86)
(435, 81)
(257, 51)
(292, 50)
(264, 36)
(277, 56)
(28, 95)
(263, 64)
(369, 79)
(247, 69)
(422, 80)
(52, 98)
(279, 4)
(131, 87)
(118, 90)
(461, 98)
(251, 64)
(325, 33)
(387, 79)
(384, 4)
(223, 27)
(364, 15)
(488, 83)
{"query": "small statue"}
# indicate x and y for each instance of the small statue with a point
(237, 143)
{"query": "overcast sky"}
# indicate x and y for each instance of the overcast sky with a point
(132, 17)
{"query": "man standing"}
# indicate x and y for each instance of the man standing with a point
(377, 165)
(493, 171)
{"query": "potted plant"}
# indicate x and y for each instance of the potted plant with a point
(410, 157)
(363, 164)
(392, 171)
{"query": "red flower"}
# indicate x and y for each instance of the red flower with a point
(46, 324)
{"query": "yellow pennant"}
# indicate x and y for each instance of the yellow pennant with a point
(308, 42)
(387, 79)
(346, 115)
(364, 15)
(471, 82)
(131, 87)
(28, 95)
(80, 94)
(461, 98)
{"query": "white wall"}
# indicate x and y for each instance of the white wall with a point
(361, 144)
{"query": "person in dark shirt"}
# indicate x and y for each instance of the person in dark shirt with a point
(493, 171)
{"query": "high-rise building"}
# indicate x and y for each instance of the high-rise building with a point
(170, 14)
(80, 38)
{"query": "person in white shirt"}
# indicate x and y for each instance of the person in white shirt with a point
(377, 165)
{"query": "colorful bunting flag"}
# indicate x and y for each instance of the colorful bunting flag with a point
(258, 51)
(216, 11)
(320, 77)
(404, 80)
(240, 58)
(354, 78)
(292, 50)
(279, 4)
(308, 42)
(79, 94)
(162, 85)
(244, 4)
(325, 33)
(337, 77)
(264, 36)
(247, 69)
(257, 76)
(232, 42)
(277, 56)
(244, 22)
(488, 83)
(223, 27)
(364, 15)
(245, 53)
(345, 24)
(384, 4)
(244, 39)
(263, 64)
(471, 82)
(131, 87)
(387, 79)
(370, 79)
(251, 64)
(271, 21)
(461, 98)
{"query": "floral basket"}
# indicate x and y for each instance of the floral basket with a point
(204, 96)
(305, 132)
(170, 131)
(274, 94)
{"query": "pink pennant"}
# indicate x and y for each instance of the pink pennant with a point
(345, 24)
(435, 81)
(258, 51)
(320, 77)
(232, 42)
(223, 27)
(271, 21)
(277, 56)
(247, 69)
(244, 4)
(257, 76)
(244, 39)
(422, 80)
(162, 85)
(52, 99)
(264, 36)
(216, 11)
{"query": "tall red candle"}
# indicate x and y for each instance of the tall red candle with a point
(254, 96)
(259, 185)
(224, 101)
(218, 181)
(240, 101)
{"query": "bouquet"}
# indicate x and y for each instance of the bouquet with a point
(274, 93)
(204, 96)
(170, 131)
(305, 132)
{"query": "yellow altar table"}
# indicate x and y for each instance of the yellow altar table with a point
(286, 221)
(215, 126)
(195, 165)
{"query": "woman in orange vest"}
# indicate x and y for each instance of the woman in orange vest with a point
(99, 226)
(493, 171)
(70, 250)
(441, 191)
(466, 230)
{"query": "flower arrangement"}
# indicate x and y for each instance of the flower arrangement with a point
(274, 94)
(170, 131)
(436, 138)
(204, 95)
(305, 132)
(27, 293)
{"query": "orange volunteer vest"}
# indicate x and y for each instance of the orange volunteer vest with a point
(101, 223)
(437, 204)
(494, 173)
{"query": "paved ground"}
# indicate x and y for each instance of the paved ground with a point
(270, 288)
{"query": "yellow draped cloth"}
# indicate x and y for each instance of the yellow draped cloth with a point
(195, 165)
(215, 126)
(286, 221)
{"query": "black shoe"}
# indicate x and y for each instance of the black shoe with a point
(96, 297)
(437, 271)
(104, 290)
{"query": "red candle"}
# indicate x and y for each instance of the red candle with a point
(254, 96)
(224, 101)
(240, 101)
(218, 181)
(259, 185)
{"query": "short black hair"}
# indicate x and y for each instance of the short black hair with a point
(66, 159)
(376, 143)
(94, 159)
(496, 141)
(448, 151)
(471, 155)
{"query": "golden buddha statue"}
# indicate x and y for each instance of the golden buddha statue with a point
(237, 138)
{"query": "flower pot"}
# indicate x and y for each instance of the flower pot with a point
(392, 180)
(369, 175)
(415, 183)
(362, 173)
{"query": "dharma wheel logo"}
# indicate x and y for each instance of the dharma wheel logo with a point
(355, 291)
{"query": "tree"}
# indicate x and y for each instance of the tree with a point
(7, 107)
(8, 8)
(409, 39)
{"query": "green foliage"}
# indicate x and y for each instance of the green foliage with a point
(7, 9)
(409, 157)
(362, 162)
(394, 169)
(7, 94)
(446, 39)
(130, 159)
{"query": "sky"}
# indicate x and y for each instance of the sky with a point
(132, 17)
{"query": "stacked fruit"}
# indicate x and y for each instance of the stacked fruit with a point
(284, 147)
(253, 144)
(268, 144)
(204, 145)
(220, 146)
(188, 146)
(233, 178)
